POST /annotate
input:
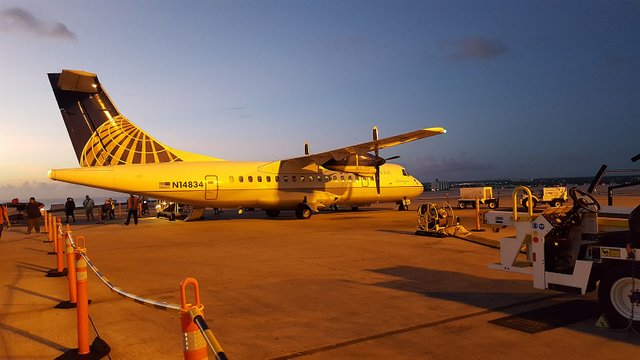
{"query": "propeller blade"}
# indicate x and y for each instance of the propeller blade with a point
(392, 158)
(377, 176)
(306, 148)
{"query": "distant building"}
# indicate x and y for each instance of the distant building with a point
(438, 185)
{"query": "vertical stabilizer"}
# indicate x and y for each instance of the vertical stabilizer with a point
(99, 133)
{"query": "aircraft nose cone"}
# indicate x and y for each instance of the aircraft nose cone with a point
(51, 174)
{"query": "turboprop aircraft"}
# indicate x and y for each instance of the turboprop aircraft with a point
(114, 154)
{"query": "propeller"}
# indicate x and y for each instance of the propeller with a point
(377, 176)
(392, 158)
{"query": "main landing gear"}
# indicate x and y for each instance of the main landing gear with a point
(303, 211)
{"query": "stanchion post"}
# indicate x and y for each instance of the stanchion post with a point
(194, 346)
(83, 301)
(57, 245)
(44, 215)
(71, 274)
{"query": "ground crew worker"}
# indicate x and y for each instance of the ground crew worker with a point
(4, 219)
(133, 204)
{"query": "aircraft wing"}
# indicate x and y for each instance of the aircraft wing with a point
(362, 149)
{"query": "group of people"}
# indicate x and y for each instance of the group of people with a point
(107, 210)
(135, 206)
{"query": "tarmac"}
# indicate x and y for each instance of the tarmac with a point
(341, 285)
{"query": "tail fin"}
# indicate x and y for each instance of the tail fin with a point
(99, 133)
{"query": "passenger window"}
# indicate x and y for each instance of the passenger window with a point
(250, 178)
(231, 179)
(327, 179)
(240, 178)
(350, 178)
(268, 178)
(302, 178)
(259, 178)
(335, 178)
(293, 178)
(285, 179)
(277, 179)
(342, 178)
(319, 178)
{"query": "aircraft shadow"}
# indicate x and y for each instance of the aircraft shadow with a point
(481, 292)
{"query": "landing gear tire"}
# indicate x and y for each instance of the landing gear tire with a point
(556, 203)
(462, 205)
(355, 208)
(492, 205)
(272, 212)
(403, 207)
(303, 212)
(619, 299)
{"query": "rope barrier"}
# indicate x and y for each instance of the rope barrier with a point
(161, 305)
(197, 335)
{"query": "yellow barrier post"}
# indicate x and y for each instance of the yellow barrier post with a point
(57, 242)
(477, 215)
(194, 346)
(515, 201)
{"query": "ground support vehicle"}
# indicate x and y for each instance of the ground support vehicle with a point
(554, 196)
(173, 211)
(576, 249)
(484, 195)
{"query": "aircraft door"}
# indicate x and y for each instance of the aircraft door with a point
(211, 187)
(365, 181)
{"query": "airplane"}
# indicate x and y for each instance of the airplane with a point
(114, 154)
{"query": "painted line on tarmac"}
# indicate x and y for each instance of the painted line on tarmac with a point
(412, 328)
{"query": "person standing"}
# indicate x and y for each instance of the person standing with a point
(33, 215)
(112, 209)
(4, 219)
(132, 209)
(89, 204)
(69, 209)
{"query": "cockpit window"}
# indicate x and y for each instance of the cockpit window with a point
(404, 172)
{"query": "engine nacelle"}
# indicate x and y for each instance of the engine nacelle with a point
(355, 164)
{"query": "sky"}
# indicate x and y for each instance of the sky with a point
(524, 88)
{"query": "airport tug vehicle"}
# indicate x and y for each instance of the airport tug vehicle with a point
(554, 196)
(484, 195)
(576, 249)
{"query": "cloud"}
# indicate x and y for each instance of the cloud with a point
(17, 20)
(476, 48)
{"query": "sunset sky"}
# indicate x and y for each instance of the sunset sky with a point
(524, 88)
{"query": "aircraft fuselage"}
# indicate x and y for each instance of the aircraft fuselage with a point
(227, 184)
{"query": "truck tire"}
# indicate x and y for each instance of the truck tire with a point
(614, 294)
(525, 203)
(461, 205)
(492, 204)
(557, 203)
(272, 212)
